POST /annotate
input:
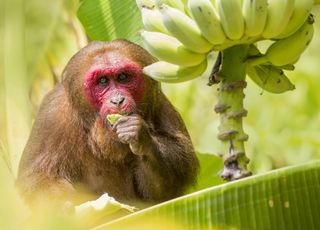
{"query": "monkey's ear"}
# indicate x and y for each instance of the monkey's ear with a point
(63, 75)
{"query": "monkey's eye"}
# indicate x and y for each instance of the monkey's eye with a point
(103, 81)
(122, 77)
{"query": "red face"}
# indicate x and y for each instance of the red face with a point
(114, 85)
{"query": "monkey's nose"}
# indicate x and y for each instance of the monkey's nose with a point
(118, 100)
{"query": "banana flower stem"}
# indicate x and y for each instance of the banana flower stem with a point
(232, 75)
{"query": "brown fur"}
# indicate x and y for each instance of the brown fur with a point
(70, 151)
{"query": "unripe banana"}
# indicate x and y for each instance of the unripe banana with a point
(178, 4)
(288, 50)
(255, 53)
(255, 16)
(231, 18)
(146, 3)
(207, 19)
(152, 20)
(170, 73)
(169, 49)
(269, 78)
(301, 11)
(184, 29)
(279, 13)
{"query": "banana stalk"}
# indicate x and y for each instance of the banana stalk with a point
(230, 107)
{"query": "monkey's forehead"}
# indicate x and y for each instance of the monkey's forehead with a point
(114, 54)
(115, 62)
(112, 58)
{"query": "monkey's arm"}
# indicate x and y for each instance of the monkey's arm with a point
(46, 165)
(166, 163)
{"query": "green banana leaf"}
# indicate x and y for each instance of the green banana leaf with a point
(25, 28)
(286, 198)
(41, 18)
(108, 19)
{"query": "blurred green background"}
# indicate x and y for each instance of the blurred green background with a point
(37, 38)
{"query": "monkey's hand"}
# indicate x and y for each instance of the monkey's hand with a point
(133, 130)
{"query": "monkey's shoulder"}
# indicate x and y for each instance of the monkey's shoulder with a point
(55, 100)
(55, 119)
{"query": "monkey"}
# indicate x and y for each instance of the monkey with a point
(147, 155)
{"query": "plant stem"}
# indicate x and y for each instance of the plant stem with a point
(230, 107)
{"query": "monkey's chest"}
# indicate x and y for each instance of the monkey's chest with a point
(115, 179)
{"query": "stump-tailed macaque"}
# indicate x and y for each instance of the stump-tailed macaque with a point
(147, 155)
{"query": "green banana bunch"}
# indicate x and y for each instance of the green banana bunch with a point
(207, 19)
(269, 78)
(180, 33)
(170, 73)
(232, 21)
(169, 49)
(302, 9)
(288, 50)
(146, 3)
(184, 29)
(255, 16)
(279, 13)
(152, 21)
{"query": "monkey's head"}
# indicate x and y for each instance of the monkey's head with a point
(106, 77)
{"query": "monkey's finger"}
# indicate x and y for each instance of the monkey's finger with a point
(126, 122)
(132, 120)
(129, 124)
(135, 115)
(126, 137)
(121, 120)
(127, 129)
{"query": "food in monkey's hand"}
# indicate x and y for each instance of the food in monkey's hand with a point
(113, 118)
